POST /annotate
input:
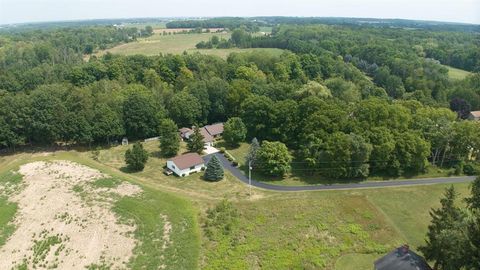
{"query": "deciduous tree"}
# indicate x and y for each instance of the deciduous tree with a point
(273, 158)
(195, 142)
(234, 131)
(136, 158)
(169, 138)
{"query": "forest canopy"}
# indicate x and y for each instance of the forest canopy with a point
(347, 101)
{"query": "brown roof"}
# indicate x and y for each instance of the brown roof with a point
(475, 113)
(206, 136)
(184, 130)
(215, 129)
(187, 160)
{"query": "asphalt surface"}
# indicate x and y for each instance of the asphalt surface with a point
(387, 183)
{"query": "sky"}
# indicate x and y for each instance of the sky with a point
(17, 11)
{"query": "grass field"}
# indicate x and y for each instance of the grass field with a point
(273, 230)
(457, 74)
(177, 44)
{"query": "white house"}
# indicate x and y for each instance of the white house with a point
(186, 164)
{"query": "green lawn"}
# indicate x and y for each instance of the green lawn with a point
(356, 262)
(177, 44)
(407, 207)
(457, 74)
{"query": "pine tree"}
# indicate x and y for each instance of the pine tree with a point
(214, 171)
(442, 233)
(252, 152)
(169, 139)
(136, 157)
(195, 144)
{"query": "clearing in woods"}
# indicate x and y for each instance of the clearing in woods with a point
(457, 74)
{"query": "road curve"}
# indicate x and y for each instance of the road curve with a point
(389, 183)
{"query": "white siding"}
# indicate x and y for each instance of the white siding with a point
(185, 172)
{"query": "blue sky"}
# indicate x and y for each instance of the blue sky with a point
(14, 11)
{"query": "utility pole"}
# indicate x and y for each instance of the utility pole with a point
(250, 176)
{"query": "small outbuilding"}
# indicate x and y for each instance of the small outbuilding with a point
(124, 141)
(475, 116)
(186, 164)
(402, 258)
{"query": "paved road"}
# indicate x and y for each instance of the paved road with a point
(390, 183)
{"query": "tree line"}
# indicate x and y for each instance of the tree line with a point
(334, 114)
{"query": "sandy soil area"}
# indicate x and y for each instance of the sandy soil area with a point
(57, 227)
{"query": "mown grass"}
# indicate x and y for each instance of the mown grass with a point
(408, 207)
(356, 262)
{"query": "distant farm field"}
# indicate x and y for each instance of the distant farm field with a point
(177, 44)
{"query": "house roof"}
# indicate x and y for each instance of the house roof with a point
(215, 129)
(187, 160)
(475, 114)
(402, 258)
(206, 136)
(184, 130)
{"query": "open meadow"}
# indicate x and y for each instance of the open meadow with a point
(177, 44)
(457, 74)
(166, 224)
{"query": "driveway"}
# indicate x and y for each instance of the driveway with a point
(210, 150)
(388, 183)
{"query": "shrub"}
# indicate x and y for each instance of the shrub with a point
(222, 150)
(458, 168)
(136, 157)
(471, 169)
(234, 164)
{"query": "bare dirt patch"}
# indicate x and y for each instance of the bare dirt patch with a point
(57, 228)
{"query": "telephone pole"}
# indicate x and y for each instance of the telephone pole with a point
(250, 177)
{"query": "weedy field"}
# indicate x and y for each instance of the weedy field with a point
(219, 226)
